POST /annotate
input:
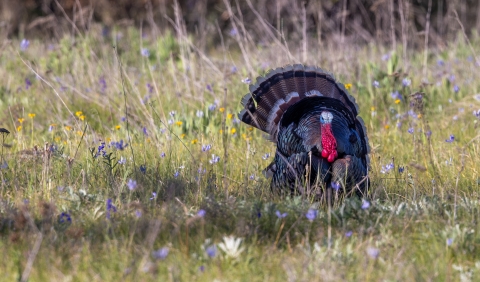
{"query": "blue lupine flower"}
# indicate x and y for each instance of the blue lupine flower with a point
(311, 214)
(335, 185)
(280, 215)
(28, 83)
(162, 155)
(154, 196)
(386, 57)
(428, 133)
(376, 84)
(206, 148)
(143, 168)
(145, 52)
(161, 253)
(150, 88)
(209, 88)
(396, 95)
(122, 160)
(233, 32)
(252, 177)
(64, 218)
(103, 84)
(449, 241)
(172, 113)
(406, 82)
(348, 233)
(456, 88)
(476, 114)
(440, 62)
(401, 169)
(119, 145)
(247, 80)
(145, 131)
(101, 150)
(214, 160)
(451, 78)
(365, 204)
(211, 251)
(266, 156)
(373, 252)
(212, 107)
(176, 174)
(201, 213)
(410, 130)
(233, 69)
(110, 208)
(132, 184)
(199, 114)
(24, 44)
(387, 168)
(451, 139)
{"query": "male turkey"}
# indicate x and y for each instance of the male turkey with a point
(321, 142)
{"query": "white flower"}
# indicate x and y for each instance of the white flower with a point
(231, 246)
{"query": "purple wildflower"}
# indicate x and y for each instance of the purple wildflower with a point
(154, 196)
(247, 80)
(376, 84)
(266, 156)
(206, 148)
(387, 168)
(410, 130)
(335, 185)
(201, 213)
(401, 169)
(145, 52)
(103, 84)
(428, 133)
(211, 251)
(396, 95)
(386, 57)
(145, 131)
(373, 252)
(199, 114)
(162, 155)
(348, 233)
(64, 218)
(233, 32)
(311, 214)
(365, 204)
(209, 88)
(28, 83)
(212, 107)
(138, 213)
(214, 160)
(440, 62)
(150, 88)
(406, 82)
(110, 208)
(456, 88)
(476, 114)
(280, 215)
(161, 253)
(132, 184)
(122, 160)
(119, 145)
(24, 44)
(451, 139)
(176, 174)
(449, 241)
(143, 169)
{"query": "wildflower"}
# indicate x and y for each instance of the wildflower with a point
(101, 149)
(401, 169)
(212, 107)
(280, 215)
(211, 251)
(214, 160)
(123, 119)
(143, 168)
(451, 78)
(440, 62)
(200, 171)
(138, 213)
(194, 141)
(178, 123)
(410, 130)
(209, 88)
(201, 213)
(376, 84)
(252, 177)
(170, 121)
(82, 117)
(64, 218)
(348, 86)
(122, 160)
(110, 208)
(154, 196)
(206, 148)
(162, 155)
(145, 132)
(336, 185)
(183, 135)
(229, 116)
(150, 88)
(406, 82)
(456, 88)
(266, 156)
(235, 121)
(28, 83)
(449, 241)
(176, 174)
(24, 45)
(117, 127)
(132, 184)
(396, 95)
(233, 131)
(233, 32)
(222, 109)
(365, 204)
(78, 113)
(119, 145)
(451, 139)
(145, 52)
(386, 57)
(20, 120)
(348, 234)
(103, 84)
(199, 114)
(231, 246)
(161, 253)
(311, 214)
(373, 252)
(233, 69)
(387, 168)
(247, 80)
(31, 115)
(476, 114)
(172, 113)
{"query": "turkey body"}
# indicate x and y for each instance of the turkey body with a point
(321, 141)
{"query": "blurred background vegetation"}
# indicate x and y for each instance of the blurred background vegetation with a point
(391, 21)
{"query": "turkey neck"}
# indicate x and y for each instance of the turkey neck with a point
(329, 144)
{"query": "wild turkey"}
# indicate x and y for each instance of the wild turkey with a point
(321, 142)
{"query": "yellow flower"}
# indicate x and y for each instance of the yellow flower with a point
(194, 141)
(109, 139)
(179, 123)
(233, 130)
(58, 139)
(82, 117)
(117, 127)
(183, 135)
(78, 113)
(221, 131)
(230, 116)
(397, 101)
(20, 120)
(222, 109)
(419, 115)
(68, 127)
(246, 137)
(30, 115)
(348, 86)
(79, 133)
(387, 126)
(19, 128)
(372, 108)
(250, 128)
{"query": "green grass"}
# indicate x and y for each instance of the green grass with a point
(421, 224)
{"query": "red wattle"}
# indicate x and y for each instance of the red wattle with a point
(329, 144)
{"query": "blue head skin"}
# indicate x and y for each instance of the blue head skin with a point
(326, 117)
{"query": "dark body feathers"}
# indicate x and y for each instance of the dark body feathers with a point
(287, 104)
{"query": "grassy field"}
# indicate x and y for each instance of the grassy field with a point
(141, 171)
